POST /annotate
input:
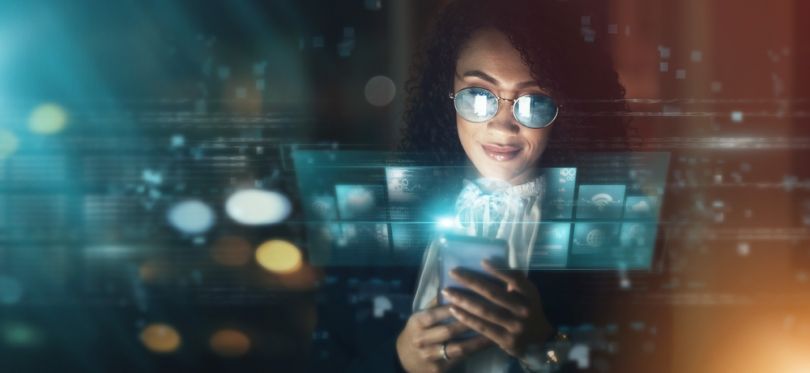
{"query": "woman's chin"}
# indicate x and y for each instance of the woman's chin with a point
(514, 177)
(502, 176)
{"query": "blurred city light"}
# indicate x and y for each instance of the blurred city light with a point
(191, 217)
(229, 343)
(161, 338)
(279, 256)
(47, 119)
(257, 207)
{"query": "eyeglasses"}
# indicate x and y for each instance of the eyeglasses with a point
(477, 105)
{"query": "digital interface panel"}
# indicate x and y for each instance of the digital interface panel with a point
(374, 208)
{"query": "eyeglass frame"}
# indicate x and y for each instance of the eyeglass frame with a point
(558, 106)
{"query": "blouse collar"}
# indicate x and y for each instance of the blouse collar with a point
(482, 185)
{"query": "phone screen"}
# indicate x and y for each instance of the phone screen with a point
(468, 252)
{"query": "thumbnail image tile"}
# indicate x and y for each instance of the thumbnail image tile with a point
(360, 202)
(593, 245)
(644, 207)
(558, 200)
(600, 201)
(636, 245)
(551, 247)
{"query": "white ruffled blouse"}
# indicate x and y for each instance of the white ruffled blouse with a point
(491, 209)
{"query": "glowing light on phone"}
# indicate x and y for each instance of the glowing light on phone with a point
(446, 222)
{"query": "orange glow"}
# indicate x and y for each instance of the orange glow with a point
(305, 278)
(231, 251)
(229, 343)
(152, 270)
(761, 344)
(161, 338)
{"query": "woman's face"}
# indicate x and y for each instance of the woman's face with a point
(500, 148)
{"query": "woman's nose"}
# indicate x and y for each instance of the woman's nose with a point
(504, 120)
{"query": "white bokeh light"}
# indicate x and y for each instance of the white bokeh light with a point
(258, 207)
(191, 216)
(381, 305)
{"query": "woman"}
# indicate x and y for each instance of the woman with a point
(490, 87)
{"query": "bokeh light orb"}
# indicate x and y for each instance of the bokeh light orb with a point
(47, 119)
(381, 305)
(160, 338)
(8, 143)
(191, 216)
(229, 343)
(258, 207)
(305, 278)
(153, 270)
(279, 256)
(231, 251)
(10, 290)
(19, 334)
(380, 90)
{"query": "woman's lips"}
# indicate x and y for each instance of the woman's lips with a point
(501, 153)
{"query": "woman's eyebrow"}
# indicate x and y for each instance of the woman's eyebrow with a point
(489, 78)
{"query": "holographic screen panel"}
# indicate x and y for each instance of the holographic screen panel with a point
(361, 208)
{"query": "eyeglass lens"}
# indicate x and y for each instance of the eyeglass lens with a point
(478, 105)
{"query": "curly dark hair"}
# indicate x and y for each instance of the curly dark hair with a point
(576, 72)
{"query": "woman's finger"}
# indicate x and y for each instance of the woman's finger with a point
(431, 316)
(462, 349)
(492, 292)
(483, 310)
(485, 328)
(515, 279)
(439, 334)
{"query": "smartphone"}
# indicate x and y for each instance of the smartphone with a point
(468, 252)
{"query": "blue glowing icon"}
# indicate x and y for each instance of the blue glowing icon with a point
(644, 207)
(593, 244)
(600, 201)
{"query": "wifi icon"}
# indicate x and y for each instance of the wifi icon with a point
(600, 201)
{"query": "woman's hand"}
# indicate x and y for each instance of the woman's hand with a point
(512, 318)
(420, 346)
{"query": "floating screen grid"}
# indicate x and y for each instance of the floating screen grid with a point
(370, 208)
(374, 208)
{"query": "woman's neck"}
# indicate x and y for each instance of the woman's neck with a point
(519, 179)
